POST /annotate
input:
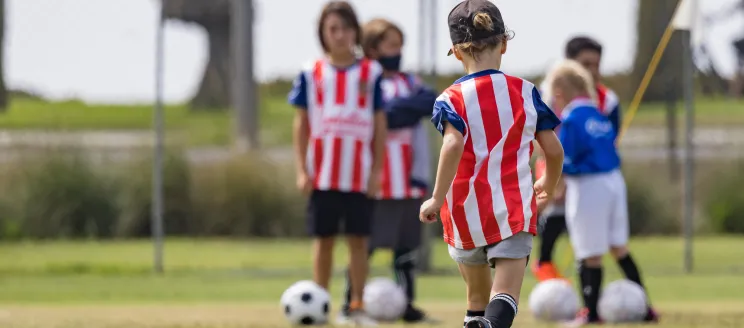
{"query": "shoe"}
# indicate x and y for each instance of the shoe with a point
(652, 316)
(582, 319)
(478, 322)
(546, 271)
(354, 318)
(415, 315)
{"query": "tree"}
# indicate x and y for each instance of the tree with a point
(3, 89)
(214, 17)
(653, 18)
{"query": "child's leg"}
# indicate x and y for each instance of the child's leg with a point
(509, 258)
(590, 275)
(347, 293)
(324, 217)
(358, 211)
(555, 225)
(405, 252)
(474, 269)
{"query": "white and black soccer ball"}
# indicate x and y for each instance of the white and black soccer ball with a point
(384, 300)
(622, 301)
(554, 300)
(306, 303)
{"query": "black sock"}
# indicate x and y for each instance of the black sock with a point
(472, 314)
(501, 311)
(630, 269)
(554, 227)
(404, 263)
(591, 282)
(347, 292)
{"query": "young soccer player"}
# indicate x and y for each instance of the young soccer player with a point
(596, 200)
(406, 167)
(339, 139)
(588, 52)
(484, 186)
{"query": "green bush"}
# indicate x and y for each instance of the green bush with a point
(61, 195)
(724, 204)
(648, 212)
(247, 196)
(136, 197)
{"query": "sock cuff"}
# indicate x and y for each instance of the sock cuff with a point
(470, 313)
(508, 299)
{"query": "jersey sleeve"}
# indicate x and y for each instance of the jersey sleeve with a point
(298, 95)
(546, 118)
(614, 118)
(571, 135)
(377, 94)
(443, 112)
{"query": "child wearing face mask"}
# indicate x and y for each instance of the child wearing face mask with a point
(406, 162)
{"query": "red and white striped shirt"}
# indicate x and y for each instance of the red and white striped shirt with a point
(398, 164)
(341, 104)
(492, 197)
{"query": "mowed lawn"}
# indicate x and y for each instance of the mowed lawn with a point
(216, 128)
(224, 283)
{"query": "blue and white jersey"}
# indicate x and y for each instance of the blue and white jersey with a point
(588, 139)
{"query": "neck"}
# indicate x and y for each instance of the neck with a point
(342, 59)
(484, 63)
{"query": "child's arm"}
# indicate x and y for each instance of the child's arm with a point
(301, 131)
(551, 149)
(407, 111)
(378, 141)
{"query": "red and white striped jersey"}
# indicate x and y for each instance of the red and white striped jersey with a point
(492, 197)
(341, 104)
(399, 151)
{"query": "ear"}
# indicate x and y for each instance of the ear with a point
(457, 53)
(503, 47)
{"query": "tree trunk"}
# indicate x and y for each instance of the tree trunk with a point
(653, 18)
(3, 89)
(214, 89)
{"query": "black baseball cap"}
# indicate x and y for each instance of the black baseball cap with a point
(461, 26)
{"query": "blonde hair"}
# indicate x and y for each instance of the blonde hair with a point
(570, 75)
(483, 22)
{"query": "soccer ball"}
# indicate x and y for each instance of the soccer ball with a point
(306, 303)
(384, 300)
(622, 301)
(554, 300)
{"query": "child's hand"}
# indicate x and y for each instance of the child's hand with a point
(304, 184)
(373, 184)
(543, 196)
(429, 210)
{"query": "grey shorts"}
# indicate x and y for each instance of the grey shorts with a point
(518, 246)
(395, 224)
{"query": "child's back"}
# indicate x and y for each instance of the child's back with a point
(588, 139)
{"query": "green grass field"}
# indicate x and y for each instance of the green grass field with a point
(214, 128)
(223, 283)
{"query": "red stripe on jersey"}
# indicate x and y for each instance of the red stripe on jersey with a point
(533, 202)
(317, 145)
(407, 167)
(490, 115)
(336, 163)
(601, 97)
(406, 81)
(460, 186)
(318, 78)
(387, 186)
(509, 173)
(340, 87)
(357, 183)
(363, 81)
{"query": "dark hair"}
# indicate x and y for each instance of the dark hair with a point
(482, 21)
(581, 43)
(374, 32)
(344, 10)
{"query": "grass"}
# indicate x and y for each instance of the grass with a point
(234, 283)
(214, 128)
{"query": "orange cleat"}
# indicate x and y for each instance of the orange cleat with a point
(546, 271)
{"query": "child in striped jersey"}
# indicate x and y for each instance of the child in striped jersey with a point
(484, 184)
(339, 138)
(406, 167)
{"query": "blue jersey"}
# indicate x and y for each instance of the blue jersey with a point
(588, 140)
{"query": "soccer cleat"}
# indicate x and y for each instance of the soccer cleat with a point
(414, 315)
(582, 319)
(478, 322)
(546, 271)
(355, 318)
(652, 316)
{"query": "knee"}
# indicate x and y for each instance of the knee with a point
(325, 243)
(592, 262)
(357, 243)
(619, 252)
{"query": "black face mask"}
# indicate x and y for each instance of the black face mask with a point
(390, 63)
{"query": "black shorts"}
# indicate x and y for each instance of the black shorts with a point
(328, 210)
(396, 225)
